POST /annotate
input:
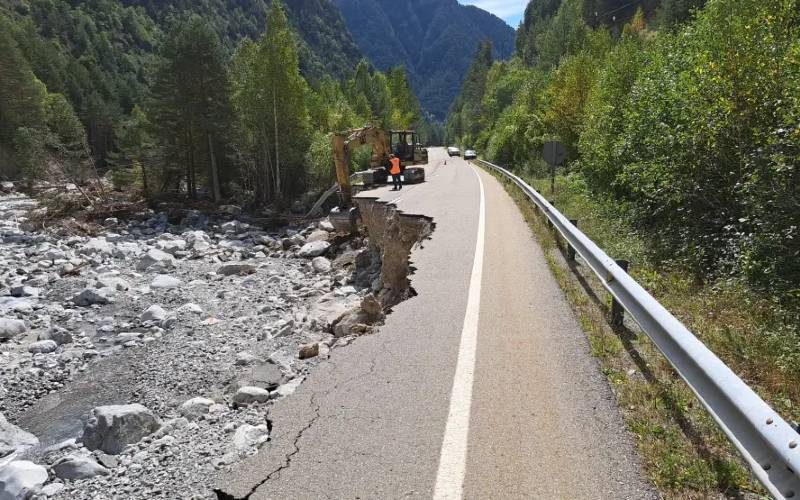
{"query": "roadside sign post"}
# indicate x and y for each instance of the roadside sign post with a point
(554, 154)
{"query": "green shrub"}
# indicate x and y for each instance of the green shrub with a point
(708, 152)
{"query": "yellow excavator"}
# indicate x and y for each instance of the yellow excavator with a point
(401, 143)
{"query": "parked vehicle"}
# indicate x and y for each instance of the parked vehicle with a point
(453, 151)
(470, 154)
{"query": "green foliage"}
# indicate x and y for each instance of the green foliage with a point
(405, 106)
(135, 153)
(319, 159)
(604, 120)
(710, 145)
(464, 120)
(564, 34)
(270, 97)
(190, 103)
(691, 131)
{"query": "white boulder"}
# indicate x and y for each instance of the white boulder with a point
(10, 328)
(21, 480)
(314, 249)
(111, 428)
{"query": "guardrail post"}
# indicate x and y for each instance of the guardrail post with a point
(617, 312)
(570, 248)
(549, 222)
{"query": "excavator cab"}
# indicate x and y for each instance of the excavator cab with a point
(405, 145)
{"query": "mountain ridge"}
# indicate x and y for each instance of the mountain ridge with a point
(434, 39)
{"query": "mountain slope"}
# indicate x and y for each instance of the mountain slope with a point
(325, 44)
(434, 39)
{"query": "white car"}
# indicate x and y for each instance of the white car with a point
(470, 154)
(453, 151)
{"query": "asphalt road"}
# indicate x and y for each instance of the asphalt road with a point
(481, 386)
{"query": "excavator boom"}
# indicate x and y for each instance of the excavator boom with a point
(343, 145)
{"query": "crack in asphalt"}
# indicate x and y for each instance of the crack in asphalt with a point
(222, 495)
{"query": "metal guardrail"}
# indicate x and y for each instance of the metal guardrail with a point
(769, 444)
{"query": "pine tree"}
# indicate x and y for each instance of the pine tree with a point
(405, 106)
(22, 98)
(465, 114)
(191, 104)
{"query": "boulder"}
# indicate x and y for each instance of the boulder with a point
(359, 320)
(111, 428)
(155, 258)
(13, 439)
(125, 337)
(289, 387)
(57, 334)
(197, 240)
(10, 328)
(321, 264)
(24, 291)
(314, 249)
(154, 313)
(171, 246)
(249, 395)
(165, 281)
(249, 437)
(21, 480)
(15, 304)
(6, 186)
(266, 375)
(78, 466)
(97, 246)
(326, 225)
(244, 359)
(52, 489)
(308, 351)
(42, 347)
(240, 269)
(91, 296)
(318, 235)
(196, 407)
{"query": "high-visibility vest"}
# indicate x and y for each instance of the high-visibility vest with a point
(395, 166)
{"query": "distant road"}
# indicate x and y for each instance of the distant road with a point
(482, 386)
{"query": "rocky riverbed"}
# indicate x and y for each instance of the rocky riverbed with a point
(137, 361)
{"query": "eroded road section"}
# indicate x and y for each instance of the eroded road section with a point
(480, 386)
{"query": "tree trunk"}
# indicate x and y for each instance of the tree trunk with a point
(277, 156)
(188, 166)
(191, 187)
(145, 186)
(214, 171)
(192, 173)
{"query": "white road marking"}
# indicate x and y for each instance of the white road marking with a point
(453, 458)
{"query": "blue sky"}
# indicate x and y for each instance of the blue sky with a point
(509, 10)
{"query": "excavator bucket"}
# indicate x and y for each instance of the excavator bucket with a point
(344, 220)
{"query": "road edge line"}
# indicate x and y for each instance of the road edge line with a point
(453, 457)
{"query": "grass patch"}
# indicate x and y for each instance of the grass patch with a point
(684, 453)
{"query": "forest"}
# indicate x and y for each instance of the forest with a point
(169, 101)
(685, 118)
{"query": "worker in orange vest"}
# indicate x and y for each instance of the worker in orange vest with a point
(395, 170)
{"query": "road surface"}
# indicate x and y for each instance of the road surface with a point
(481, 386)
